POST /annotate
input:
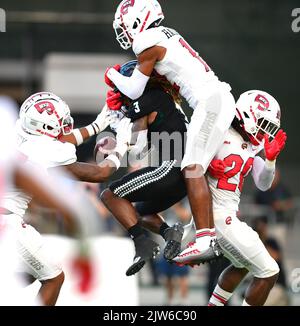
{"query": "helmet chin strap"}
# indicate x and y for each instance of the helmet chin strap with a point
(47, 134)
(253, 140)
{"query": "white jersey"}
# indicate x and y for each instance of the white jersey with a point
(181, 65)
(44, 151)
(239, 156)
(7, 145)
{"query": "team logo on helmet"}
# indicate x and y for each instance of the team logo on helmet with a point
(263, 102)
(126, 5)
(45, 106)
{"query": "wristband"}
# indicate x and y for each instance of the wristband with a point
(114, 159)
(92, 129)
(78, 136)
(270, 165)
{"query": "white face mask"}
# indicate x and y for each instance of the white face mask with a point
(67, 125)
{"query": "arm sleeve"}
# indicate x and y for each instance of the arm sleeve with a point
(263, 173)
(133, 87)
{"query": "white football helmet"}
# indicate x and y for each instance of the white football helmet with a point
(134, 16)
(46, 114)
(258, 113)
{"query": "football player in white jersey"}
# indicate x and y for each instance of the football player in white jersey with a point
(137, 25)
(255, 128)
(44, 119)
(73, 205)
(9, 282)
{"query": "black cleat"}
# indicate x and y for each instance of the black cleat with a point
(145, 249)
(173, 236)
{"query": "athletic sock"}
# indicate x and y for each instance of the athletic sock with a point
(135, 231)
(219, 297)
(163, 229)
(212, 233)
(203, 238)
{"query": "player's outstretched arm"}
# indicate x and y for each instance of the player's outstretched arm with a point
(78, 136)
(263, 171)
(102, 171)
(44, 188)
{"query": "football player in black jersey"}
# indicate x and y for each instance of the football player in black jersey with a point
(160, 123)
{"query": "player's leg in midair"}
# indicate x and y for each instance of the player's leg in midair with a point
(125, 213)
(149, 187)
(209, 123)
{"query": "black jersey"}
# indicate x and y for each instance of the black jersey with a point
(167, 132)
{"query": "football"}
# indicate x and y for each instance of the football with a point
(103, 148)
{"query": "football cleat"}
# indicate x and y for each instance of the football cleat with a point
(145, 249)
(173, 236)
(193, 255)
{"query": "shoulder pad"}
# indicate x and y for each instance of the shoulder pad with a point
(147, 39)
(62, 154)
(49, 153)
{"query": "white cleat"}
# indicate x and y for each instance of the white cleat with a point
(194, 255)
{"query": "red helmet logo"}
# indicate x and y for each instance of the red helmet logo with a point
(126, 5)
(45, 106)
(263, 102)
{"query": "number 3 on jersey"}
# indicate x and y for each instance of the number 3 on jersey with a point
(136, 107)
(238, 166)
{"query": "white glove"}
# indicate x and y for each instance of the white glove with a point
(123, 137)
(102, 121)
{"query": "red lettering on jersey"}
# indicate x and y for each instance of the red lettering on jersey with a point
(126, 5)
(194, 53)
(237, 166)
(45, 106)
(228, 220)
(263, 102)
(236, 163)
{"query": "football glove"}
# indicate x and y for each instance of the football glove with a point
(108, 82)
(274, 147)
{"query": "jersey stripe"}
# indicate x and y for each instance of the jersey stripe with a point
(145, 179)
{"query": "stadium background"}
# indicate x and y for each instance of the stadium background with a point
(249, 44)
